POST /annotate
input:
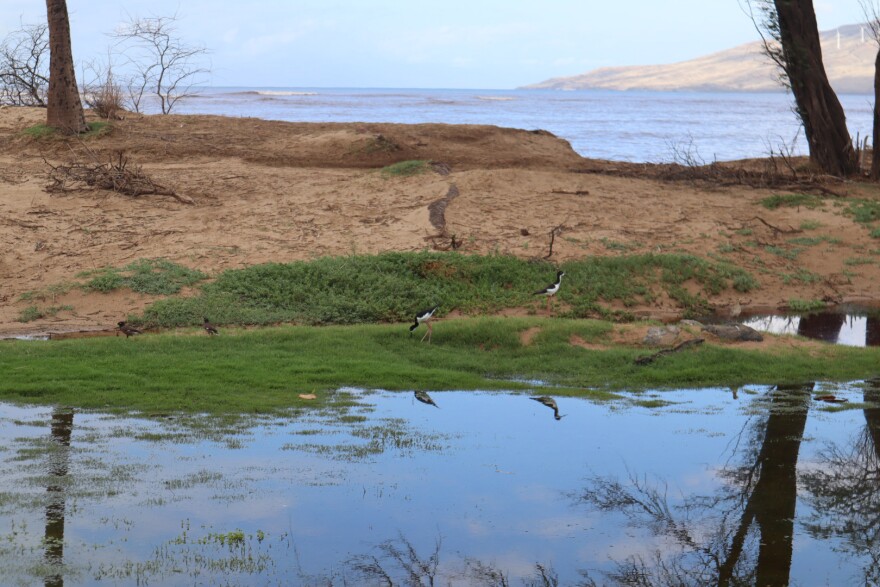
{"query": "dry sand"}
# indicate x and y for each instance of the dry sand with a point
(274, 191)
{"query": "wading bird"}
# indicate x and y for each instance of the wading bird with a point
(425, 316)
(550, 403)
(126, 329)
(210, 328)
(551, 289)
(423, 397)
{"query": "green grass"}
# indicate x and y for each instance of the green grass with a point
(864, 211)
(390, 287)
(262, 371)
(791, 201)
(405, 168)
(42, 131)
(805, 306)
(151, 276)
(31, 313)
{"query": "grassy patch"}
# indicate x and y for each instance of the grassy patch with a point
(790, 254)
(810, 225)
(805, 306)
(151, 276)
(811, 241)
(392, 286)
(405, 168)
(791, 201)
(802, 275)
(875, 232)
(42, 131)
(32, 313)
(864, 211)
(261, 371)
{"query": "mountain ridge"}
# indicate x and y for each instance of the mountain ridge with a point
(848, 52)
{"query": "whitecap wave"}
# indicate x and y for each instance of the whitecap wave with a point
(496, 98)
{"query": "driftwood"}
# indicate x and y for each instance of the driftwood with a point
(647, 359)
(118, 176)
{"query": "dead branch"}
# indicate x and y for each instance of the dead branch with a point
(776, 229)
(118, 176)
(647, 359)
(556, 230)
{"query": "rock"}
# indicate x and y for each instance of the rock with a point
(739, 332)
(661, 335)
(693, 323)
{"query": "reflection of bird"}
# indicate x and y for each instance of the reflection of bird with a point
(425, 316)
(550, 403)
(210, 328)
(423, 397)
(126, 329)
(551, 290)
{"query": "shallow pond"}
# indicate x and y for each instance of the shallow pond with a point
(755, 485)
(860, 329)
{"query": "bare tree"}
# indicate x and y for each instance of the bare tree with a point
(24, 66)
(64, 109)
(791, 39)
(163, 64)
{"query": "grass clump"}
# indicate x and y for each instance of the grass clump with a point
(864, 211)
(390, 287)
(805, 306)
(150, 276)
(791, 201)
(405, 168)
(43, 131)
(32, 313)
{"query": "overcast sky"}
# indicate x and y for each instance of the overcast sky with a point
(427, 44)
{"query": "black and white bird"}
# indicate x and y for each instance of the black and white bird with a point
(423, 397)
(210, 328)
(126, 329)
(550, 403)
(424, 317)
(551, 289)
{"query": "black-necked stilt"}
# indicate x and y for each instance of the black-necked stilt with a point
(423, 397)
(126, 329)
(551, 289)
(425, 316)
(210, 328)
(550, 403)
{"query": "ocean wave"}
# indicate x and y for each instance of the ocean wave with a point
(496, 98)
(273, 93)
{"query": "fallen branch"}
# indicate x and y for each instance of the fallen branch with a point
(776, 229)
(117, 176)
(553, 232)
(647, 359)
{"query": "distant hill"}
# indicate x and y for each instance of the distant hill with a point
(848, 52)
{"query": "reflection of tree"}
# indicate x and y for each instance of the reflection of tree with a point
(844, 489)
(825, 326)
(59, 457)
(740, 536)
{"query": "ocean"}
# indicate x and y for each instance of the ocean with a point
(621, 126)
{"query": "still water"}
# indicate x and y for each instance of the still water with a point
(601, 124)
(751, 485)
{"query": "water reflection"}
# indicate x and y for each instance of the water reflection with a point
(59, 458)
(835, 328)
(490, 490)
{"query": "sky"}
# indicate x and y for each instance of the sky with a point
(485, 44)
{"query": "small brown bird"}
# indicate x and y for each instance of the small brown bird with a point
(126, 329)
(550, 403)
(210, 328)
(423, 397)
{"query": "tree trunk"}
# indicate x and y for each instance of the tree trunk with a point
(817, 105)
(875, 148)
(64, 109)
